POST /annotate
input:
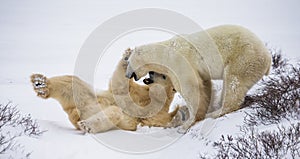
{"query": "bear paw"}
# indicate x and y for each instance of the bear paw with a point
(85, 127)
(217, 113)
(181, 116)
(39, 83)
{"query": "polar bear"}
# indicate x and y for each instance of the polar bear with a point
(228, 52)
(98, 113)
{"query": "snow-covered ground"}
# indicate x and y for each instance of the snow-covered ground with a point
(46, 36)
(62, 141)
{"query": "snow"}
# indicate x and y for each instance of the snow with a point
(46, 36)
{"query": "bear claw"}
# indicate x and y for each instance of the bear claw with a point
(83, 125)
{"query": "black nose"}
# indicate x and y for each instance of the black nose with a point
(148, 81)
(133, 75)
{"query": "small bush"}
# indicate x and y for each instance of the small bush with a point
(278, 61)
(279, 144)
(278, 95)
(12, 126)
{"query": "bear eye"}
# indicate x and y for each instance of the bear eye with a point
(164, 77)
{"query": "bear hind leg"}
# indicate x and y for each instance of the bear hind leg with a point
(233, 95)
(102, 121)
(237, 82)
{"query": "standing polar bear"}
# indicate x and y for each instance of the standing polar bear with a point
(227, 52)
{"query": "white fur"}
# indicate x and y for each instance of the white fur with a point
(228, 52)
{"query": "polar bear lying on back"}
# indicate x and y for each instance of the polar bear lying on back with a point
(94, 113)
(228, 52)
